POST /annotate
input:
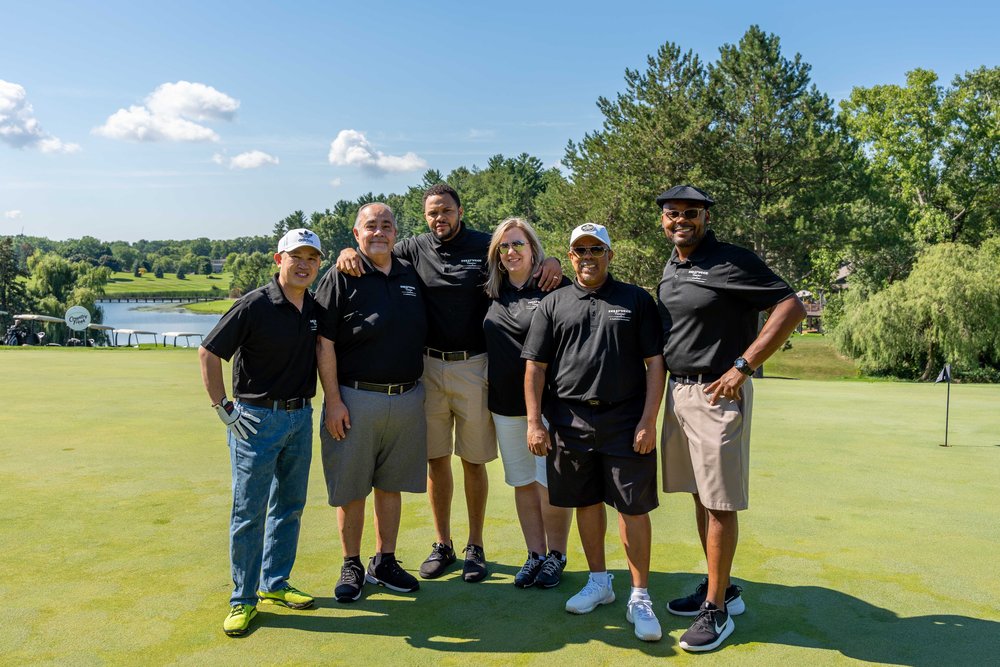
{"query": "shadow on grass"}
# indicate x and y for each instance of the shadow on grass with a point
(452, 616)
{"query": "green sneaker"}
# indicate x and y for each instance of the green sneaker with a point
(238, 621)
(289, 596)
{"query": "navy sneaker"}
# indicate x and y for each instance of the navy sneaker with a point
(526, 576)
(691, 605)
(388, 573)
(442, 555)
(552, 569)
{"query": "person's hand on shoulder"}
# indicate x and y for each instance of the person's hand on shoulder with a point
(349, 262)
(549, 274)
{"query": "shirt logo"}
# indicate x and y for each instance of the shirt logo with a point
(531, 304)
(312, 325)
(408, 290)
(619, 315)
(476, 262)
(697, 276)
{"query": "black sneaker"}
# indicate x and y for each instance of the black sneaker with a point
(526, 577)
(475, 564)
(551, 572)
(691, 605)
(442, 555)
(388, 573)
(352, 579)
(709, 630)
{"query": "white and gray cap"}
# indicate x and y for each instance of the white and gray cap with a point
(296, 238)
(599, 232)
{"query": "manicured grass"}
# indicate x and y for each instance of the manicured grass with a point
(865, 542)
(812, 357)
(124, 284)
(217, 307)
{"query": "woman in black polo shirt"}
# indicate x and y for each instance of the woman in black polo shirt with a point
(514, 255)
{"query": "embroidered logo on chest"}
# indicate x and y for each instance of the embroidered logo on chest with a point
(697, 276)
(619, 315)
(408, 290)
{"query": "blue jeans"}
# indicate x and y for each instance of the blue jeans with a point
(270, 478)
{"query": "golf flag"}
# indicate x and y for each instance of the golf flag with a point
(945, 376)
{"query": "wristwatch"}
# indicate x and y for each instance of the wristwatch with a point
(743, 366)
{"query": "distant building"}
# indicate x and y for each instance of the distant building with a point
(217, 265)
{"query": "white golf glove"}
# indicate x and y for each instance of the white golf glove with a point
(237, 421)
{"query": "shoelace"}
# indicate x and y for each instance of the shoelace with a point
(592, 588)
(529, 566)
(642, 608)
(551, 566)
(237, 610)
(474, 553)
(294, 591)
(349, 572)
(438, 551)
(706, 620)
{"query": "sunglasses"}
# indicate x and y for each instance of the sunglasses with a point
(593, 250)
(688, 214)
(513, 245)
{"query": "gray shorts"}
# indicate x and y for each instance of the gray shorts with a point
(386, 447)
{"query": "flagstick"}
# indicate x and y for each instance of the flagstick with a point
(947, 410)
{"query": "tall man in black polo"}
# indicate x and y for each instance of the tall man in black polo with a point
(270, 333)
(593, 349)
(374, 434)
(451, 263)
(709, 299)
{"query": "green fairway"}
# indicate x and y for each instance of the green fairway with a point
(811, 356)
(213, 307)
(126, 284)
(865, 542)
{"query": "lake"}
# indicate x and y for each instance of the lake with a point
(156, 316)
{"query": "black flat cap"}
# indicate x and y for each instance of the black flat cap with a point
(685, 193)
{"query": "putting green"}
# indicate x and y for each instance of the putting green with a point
(865, 540)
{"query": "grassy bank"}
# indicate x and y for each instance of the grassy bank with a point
(126, 284)
(866, 542)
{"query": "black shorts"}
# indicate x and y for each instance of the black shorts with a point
(592, 459)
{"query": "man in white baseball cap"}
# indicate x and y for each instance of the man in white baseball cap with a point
(270, 334)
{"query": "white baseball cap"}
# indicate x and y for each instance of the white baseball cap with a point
(599, 232)
(296, 238)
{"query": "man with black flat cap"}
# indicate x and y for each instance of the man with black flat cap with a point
(709, 299)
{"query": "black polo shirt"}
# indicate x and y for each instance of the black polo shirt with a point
(506, 327)
(377, 323)
(709, 305)
(595, 343)
(272, 344)
(453, 273)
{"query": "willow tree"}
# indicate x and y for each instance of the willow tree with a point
(946, 311)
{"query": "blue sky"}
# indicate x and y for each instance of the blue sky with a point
(128, 120)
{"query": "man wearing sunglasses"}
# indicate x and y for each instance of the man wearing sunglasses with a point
(594, 351)
(709, 298)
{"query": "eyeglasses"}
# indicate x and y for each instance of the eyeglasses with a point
(513, 245)
(593, 250)
(689, 214)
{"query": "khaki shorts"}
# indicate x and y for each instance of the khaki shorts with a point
(706, 448)
(456, 402)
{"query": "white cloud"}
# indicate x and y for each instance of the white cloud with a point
(352, 148)
(252, 160)
(219, 158)
(12, 215)
(335, 183)
(170, 113)
(18, 126)
(476, 135)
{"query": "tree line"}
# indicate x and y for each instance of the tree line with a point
(894, 185)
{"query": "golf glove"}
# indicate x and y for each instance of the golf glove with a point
(238, 422)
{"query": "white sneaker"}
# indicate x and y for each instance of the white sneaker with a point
(640, 614)
(593, 594)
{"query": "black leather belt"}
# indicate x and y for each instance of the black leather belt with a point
(461, 355)
(288, 405)
(597, 403)
(700, 378)
(391, 389)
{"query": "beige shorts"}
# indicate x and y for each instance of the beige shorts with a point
(706, 448)
(456, 402)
